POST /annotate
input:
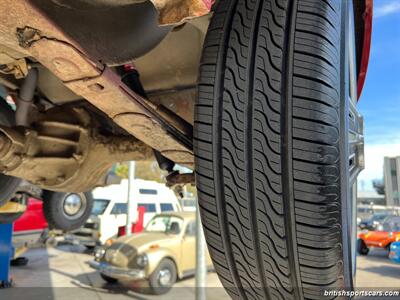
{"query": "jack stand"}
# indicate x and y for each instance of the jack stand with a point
(6, 253)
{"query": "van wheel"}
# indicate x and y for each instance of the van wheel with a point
(163, 277)
(362, 248)
(275, 164)
(67, 211)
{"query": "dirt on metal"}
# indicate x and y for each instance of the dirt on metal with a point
(52, 48)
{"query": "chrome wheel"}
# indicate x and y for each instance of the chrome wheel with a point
(165, 277)
(355, 138)
(74, 205)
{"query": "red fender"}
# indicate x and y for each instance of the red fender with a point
(366, 47)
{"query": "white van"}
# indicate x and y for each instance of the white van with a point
(108, 217)
(155, 198)
(188, 204)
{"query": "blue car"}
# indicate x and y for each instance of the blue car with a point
(394, 253)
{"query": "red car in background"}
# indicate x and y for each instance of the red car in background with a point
(30, 226)
(383, 237)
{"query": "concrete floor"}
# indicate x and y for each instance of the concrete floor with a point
(63, 274)
(377, 271)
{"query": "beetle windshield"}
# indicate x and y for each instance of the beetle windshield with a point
(391, 224)
(378, 217)
(167, 224)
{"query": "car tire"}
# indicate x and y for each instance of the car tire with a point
(271, 148)
(8, 184)
(362, 248)
(158, 287)
(387, 248)
(19, 262)
(108, 279)
(56, 214)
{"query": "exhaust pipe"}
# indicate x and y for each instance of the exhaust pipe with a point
(25, 98)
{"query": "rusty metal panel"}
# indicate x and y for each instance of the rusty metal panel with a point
(178, 11)
(64, 61)
(49, 46)
(124, 111)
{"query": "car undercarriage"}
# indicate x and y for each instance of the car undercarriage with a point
(98, 82)
(67, 76)
(76, 64)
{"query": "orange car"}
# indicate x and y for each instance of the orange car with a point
(385, 234)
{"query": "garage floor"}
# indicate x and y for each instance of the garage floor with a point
(63, 274)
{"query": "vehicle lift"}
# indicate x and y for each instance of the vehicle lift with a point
(6, 254)
(7, 250)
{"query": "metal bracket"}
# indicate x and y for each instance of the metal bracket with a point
(175, 178)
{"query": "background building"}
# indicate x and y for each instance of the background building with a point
(391, 173)
(370, 198)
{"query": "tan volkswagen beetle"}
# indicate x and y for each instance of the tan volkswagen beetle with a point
(161, 254)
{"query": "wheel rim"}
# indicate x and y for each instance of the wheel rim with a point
(355, 139)
(165, 277)
(74, 205)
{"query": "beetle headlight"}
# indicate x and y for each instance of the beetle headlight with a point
(109, 254)
(142, 260)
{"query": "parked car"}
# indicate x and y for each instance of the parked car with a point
(188, 204)
(382, 237)
(162, 253)
(30, 226)
(394, 253)
(62, 211)
(374, 221)
(107, 221)
(108, 218)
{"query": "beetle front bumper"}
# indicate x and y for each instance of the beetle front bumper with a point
(118, 273)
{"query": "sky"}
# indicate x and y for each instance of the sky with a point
(380, 100)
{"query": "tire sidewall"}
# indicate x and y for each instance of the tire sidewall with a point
(310, 195)
(362, 248)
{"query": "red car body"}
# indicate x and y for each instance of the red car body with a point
(29, 227)
(366, 45)
(379, 239)
(388, 233)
